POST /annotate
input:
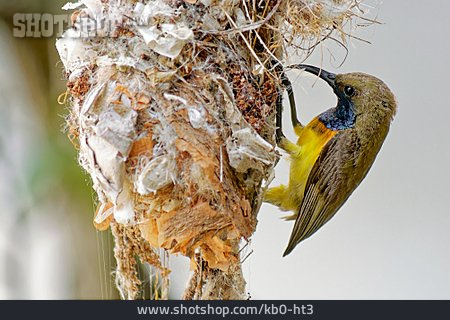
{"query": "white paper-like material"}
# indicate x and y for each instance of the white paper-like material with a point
(154, 9)
(197, 117)
(116, 126)
(168, 40)
(155, 175)
(73, 51)
(123, 208)
(94, 6)
(248, 150)
(107, 132)
(72, 5)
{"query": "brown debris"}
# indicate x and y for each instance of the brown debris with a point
(80, 86)
(256, 103)
(122, 31)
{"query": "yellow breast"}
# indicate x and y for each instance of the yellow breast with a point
(311, 140)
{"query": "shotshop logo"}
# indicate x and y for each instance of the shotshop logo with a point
(46, 25)
(37, 25)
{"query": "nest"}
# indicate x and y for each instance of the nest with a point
(173, 111)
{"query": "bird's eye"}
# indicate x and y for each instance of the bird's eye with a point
(349, 91)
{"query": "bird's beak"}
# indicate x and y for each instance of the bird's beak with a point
(328, 77)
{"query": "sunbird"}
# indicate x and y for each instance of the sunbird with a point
(334, 152)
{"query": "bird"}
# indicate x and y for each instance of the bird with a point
(334, 151)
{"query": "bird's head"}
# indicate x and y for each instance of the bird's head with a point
(364, 95)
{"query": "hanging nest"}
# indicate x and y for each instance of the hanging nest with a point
(173, 112)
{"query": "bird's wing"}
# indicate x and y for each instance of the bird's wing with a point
(329, 184)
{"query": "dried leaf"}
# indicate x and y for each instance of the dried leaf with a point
(103, 216)
(149, 231)
(142, 147)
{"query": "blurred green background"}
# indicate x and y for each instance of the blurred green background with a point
(48, 246)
